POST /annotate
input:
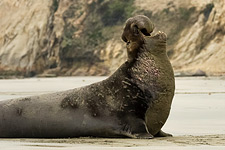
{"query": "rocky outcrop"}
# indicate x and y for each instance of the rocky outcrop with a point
(71, 37)
(195, 30)
(24, 33)
(202, 44)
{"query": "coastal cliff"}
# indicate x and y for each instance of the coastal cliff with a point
(71, 37)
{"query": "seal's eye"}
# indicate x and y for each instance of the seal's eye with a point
(144, 31)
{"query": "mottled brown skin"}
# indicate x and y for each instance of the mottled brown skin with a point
(154, 75)
(152, 69)
(133, 102)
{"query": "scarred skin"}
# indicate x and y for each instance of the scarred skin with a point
(133, 102)
(154, 75)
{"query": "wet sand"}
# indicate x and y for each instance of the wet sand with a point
(197, 118)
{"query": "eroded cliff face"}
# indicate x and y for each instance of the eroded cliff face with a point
(88, 34)
(72, 37)
(25, 30)
(195, 31)
(202, 45)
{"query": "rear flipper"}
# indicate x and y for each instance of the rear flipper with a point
(163, 134)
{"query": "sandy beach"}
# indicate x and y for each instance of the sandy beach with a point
(197, 118)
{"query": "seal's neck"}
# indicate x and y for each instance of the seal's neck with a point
(150, 67)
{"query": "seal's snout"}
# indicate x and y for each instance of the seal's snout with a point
(134, 33)
(144, 25)
(136, 27)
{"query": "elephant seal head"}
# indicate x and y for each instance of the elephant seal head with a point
(135, 30)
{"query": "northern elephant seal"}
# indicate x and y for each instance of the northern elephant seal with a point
(133, 102)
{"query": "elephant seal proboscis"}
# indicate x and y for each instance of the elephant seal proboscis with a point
(133, 102)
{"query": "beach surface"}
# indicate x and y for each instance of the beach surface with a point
(197, 117)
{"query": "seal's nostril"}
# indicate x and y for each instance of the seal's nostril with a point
(144, 31)
(124, 38)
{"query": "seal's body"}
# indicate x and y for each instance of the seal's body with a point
(133, 102)
(114, 107)
(156, 80)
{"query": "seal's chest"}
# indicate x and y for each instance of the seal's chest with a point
(162, 90)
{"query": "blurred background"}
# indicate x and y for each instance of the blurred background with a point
(83, 38)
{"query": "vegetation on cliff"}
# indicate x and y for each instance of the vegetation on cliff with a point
(83, 37)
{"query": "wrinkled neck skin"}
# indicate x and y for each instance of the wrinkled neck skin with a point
(152, 70)
(153, 74)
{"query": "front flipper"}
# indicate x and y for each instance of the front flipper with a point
(129, 134)
(136, 128)
(144, 136)
(163, 134)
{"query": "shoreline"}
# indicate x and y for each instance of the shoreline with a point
(196, 119)
(187, 141)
